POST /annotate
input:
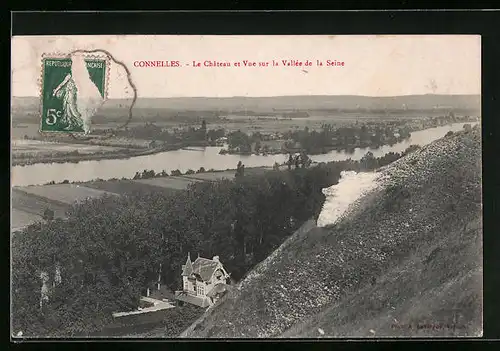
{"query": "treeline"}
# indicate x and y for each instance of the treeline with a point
(110, 249)
(151, 131)
(148, 174)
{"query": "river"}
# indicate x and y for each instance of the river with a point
(183, 160)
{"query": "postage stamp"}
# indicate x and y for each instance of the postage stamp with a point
(72, 89)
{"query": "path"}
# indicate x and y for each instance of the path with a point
(158, 306)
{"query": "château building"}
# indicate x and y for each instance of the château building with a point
(204, 281)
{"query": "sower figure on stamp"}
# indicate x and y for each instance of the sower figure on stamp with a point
(67, 92)
(80, 96)
(88, 97)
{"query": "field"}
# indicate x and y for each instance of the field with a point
(124, 187)
(212, 176)
(21, 219)
(37, 146)
(29, 203)
(28, 208)
(34, 204)
(178, 183)
(65, 193)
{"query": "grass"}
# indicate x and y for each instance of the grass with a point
(409, 255)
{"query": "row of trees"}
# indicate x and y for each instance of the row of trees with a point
(111, 248)
(357, 135)
(148, 174)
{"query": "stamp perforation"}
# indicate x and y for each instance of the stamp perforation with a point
(60, 55)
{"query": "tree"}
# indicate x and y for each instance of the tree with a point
(290, 162)
(99, 276)
(257, 146)
(48, 214)
(368, 161)
(239, 140)
(240, 170)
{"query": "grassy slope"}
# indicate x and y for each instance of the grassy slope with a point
(409, 255)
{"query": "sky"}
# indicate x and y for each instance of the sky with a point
(373, 65)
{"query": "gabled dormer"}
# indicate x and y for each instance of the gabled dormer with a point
(187, 269)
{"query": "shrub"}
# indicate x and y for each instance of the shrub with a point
(48, 214)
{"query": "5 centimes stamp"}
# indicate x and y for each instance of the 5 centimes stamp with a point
(73, 87)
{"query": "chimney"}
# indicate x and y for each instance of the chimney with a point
(216, 259)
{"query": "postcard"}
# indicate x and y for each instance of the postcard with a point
(310, 186)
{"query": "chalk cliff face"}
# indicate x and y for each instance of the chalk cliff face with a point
(404, 260)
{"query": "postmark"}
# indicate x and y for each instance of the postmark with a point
(73, 87)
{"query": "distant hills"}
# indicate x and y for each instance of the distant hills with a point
(268, 104)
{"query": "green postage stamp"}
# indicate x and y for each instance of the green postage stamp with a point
(72, 90)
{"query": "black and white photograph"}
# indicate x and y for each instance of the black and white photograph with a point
(246, 186)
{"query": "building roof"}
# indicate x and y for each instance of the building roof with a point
(204, 268)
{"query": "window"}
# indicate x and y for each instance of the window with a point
(185, 285)
(200, 290)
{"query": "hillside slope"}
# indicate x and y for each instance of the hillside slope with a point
(405, 261)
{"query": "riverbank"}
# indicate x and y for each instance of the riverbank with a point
(75, 158)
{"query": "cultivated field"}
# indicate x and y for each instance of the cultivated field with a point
(38, 146)
(29, 203)
(124, 187)
(178, 183)
(211, 176)
(64, 193)
(21, 219)
(35, 204)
